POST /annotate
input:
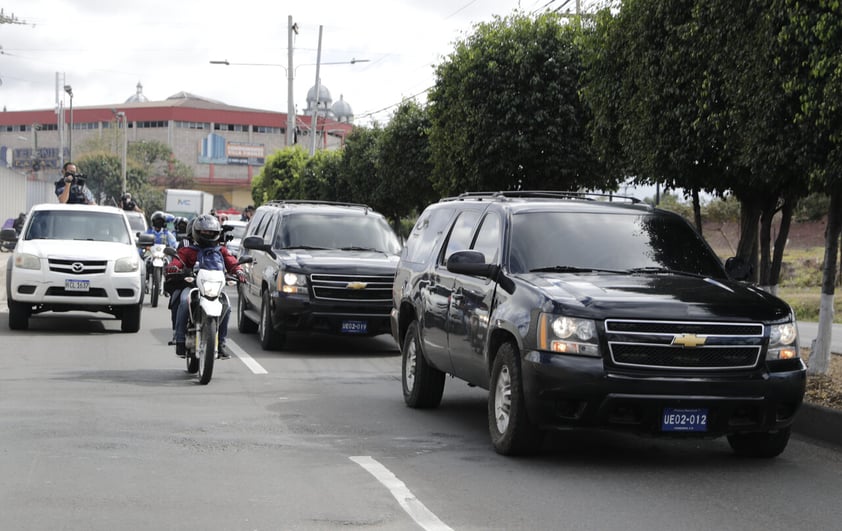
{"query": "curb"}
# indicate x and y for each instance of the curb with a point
(819, 422)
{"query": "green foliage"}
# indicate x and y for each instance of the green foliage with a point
(505, 110)
(722, 210)
(360, 160)
(280, 177)
(813, 207)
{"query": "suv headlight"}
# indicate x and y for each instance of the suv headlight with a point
(783, 342)
(127, 264)
(27, 261)
(568, 335)
(292, 284)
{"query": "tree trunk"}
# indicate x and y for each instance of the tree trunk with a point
(697, 211)
(820, 355)
(765, 239)
(780, 244)
(747, 246)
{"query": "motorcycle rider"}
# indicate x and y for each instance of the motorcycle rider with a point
(206, 234)
(159, 229)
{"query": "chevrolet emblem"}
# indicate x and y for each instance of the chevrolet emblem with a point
(689, 340)
(357, 285)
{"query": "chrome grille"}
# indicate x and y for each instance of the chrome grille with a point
(356, 288)
(78, 267)
(690, 345)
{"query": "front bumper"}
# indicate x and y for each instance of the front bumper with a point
(291, 314)
(571, 391)
(47, 290)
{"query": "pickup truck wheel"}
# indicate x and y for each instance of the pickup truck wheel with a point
(244, 324)
(18, 315)
(269, 338)
(130, 319)
(423, 384)
(512, 431)
(760, 445)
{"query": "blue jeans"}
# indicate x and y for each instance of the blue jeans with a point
(182, 311)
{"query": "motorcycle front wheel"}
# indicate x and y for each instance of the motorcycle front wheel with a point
(156, 287)
(206, 350)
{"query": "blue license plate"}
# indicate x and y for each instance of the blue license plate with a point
(354, 327)
(684, 419)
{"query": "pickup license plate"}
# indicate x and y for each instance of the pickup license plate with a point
(678, 419)
(77, 285)
(354, 327)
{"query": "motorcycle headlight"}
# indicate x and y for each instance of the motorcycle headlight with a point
(568, 335)
(27, 261)
(127, 264)
(292, 284)
(783, 342)
(212, 288)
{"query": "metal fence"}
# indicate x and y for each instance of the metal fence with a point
(18, 193)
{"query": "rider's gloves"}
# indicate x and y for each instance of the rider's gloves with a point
(173, 269)
(241, 276)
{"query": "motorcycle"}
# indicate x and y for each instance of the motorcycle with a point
(156, 263)
(208, 303)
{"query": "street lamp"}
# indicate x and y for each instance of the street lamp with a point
(69, 90)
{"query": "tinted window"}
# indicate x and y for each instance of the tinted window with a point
(336, 231)
(460, 235)
(608, 241)
(487, 240)
(426, 234)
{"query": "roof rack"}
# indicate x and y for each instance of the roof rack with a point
(282, 202)
(547, 194)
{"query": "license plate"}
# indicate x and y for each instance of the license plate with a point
(77, 285)
(354, 327)
(688, 419)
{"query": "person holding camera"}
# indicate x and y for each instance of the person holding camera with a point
(71, 187)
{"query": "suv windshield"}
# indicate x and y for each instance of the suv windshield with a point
(599, 241)
(77, 225)
(337, 231)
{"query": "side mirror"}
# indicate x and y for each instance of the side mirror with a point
(169, 251)
(739, 269)
(470, 263)
(9, 235)
(145, 240)
(256, 243)
(245, 260)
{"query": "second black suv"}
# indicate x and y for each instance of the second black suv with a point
(318, 266)
(573, 311)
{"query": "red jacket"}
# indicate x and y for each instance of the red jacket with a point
(187, 258)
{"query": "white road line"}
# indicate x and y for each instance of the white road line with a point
(255, 367)
(412, 505)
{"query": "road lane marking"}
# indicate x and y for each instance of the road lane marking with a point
(249, 362)
(412, 505)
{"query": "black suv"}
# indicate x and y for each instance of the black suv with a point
(318, 266)
(577, 311)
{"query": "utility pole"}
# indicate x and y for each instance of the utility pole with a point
(314, 129)
(291, 118)
(10, 19)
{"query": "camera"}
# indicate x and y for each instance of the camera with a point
(78, 178)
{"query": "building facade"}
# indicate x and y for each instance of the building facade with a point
(226, 146)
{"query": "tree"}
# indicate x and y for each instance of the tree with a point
(404, 167)
(360, 159)
(280, 176)
(505, 110)
(812, 36)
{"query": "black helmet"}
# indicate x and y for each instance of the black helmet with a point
(180, 224)
(206, 230)
(159, 219)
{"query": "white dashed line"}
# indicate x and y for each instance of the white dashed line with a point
(412, 505)
(250, 362)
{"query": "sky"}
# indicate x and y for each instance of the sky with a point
(103, 48)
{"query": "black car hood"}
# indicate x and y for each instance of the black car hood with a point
(661, 296)
(334, 260)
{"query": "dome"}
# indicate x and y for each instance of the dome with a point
(324, 96)
(138, 97)
(342, 110)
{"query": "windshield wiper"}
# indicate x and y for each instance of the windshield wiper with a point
(572, 269)
(666, 270)
(306, 247)
(355, 248)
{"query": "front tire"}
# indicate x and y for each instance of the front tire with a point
(244, 324)
(269, 338)
(130, 319)
(423, 384)
(19, 315)
(763, 445)
(206, 350)
(512, 431)
(156, 287)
